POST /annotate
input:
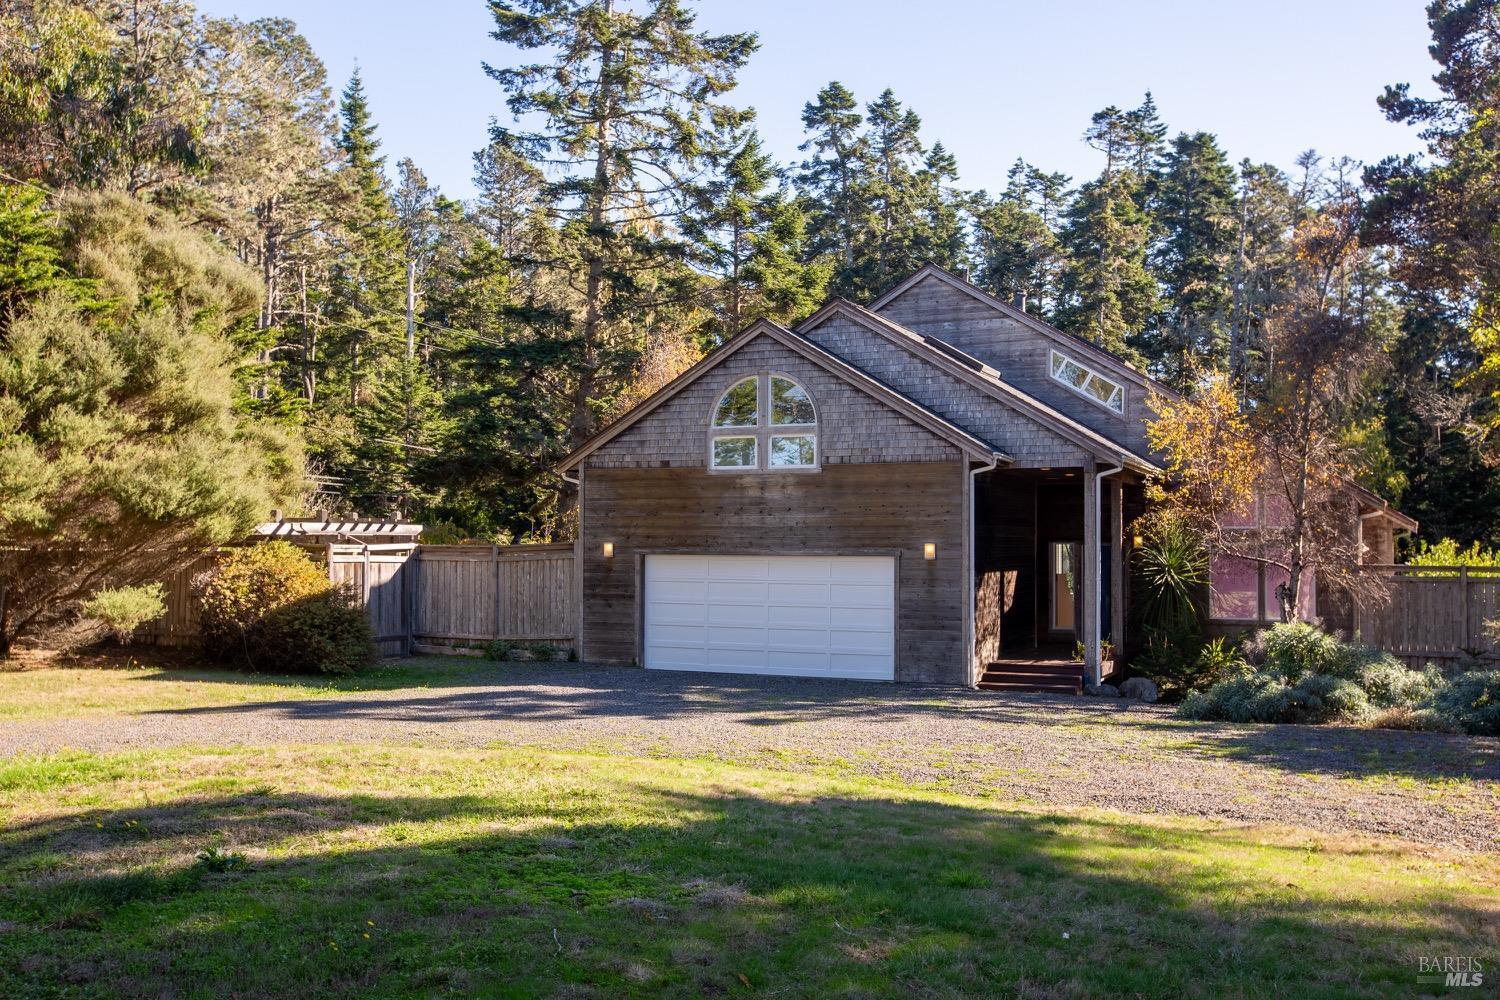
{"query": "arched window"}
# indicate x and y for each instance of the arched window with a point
(767, 421)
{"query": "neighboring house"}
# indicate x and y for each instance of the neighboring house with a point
(936, 488)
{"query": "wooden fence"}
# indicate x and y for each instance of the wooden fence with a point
(424, 593)
(1436, 614)
(471, 593)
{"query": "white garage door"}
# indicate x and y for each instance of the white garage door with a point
(808, 616)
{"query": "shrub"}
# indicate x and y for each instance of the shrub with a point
(542, 651)
(122, 610)
(499, 649)
(1305, 675)
(270, 607)
(1470, 702)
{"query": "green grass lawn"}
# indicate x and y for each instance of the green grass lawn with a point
(368, 871)
(153, 681)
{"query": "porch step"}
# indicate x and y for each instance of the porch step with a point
(1058, 678)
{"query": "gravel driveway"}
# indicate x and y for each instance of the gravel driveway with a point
(1441, 790)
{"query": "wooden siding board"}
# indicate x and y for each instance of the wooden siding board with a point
(1026, 441)
(876, 508)
(1020, 353)
(853, 427)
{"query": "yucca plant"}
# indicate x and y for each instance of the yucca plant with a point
(1172, 569)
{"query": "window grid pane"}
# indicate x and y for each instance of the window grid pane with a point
(734, 453)
(737, 407)
(794, 450)
(1088, 383)
(790, 403)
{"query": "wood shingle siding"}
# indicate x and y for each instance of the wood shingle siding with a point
(1027, 442)
(844, 509)
(1021, 354)
(852, 426)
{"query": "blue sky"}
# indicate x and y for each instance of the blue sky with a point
(991, 80)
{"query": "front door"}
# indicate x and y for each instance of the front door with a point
(1063, 586)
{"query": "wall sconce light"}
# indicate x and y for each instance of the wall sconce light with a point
(1136, 541)
(929, 551)
(609, 550)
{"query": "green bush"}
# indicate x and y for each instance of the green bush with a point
(270, 607)
(1302, 674)
(1470, 702)
(499, 649)
(122, 610)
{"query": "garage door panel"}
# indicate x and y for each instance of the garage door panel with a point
(737, 657)
(797, 638)
(799, 661)
(663, 632)
(677, 590)
(859, 595)
(862, 665)
(737, 635)
(737, 567)
(792, 615)
(858, 568)
(816, 616)
(863, 618)
(737, 614)
(799, 593)
(693, 568)
(750, 592)
(860, 642)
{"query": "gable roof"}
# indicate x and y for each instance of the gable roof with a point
(981, 376)
(907, 407)
(1108, 359)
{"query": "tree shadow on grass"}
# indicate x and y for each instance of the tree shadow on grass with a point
(1341, 751)
(627, 886)
(576, 693)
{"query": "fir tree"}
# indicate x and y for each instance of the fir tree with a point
(1194, 209)
(1108, 294)
(629, 111)
(833, 181)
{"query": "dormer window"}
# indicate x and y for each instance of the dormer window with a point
(1088, 383)
(766, 422)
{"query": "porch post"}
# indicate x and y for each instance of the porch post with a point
(1118, 549)
(1090, 574)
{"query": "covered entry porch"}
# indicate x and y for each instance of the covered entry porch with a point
(1051, 557)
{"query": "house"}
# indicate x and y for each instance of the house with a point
(936, 488)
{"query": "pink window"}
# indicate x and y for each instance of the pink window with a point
(1307, 594)
(1233, 585)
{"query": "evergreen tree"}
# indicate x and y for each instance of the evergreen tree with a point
(1194, 210)
(1108, 294)
(750, 236)
(1267, 211)
(940, 236)
(894, 196)
(1145, 137)
(366, 297)
(628, 108)
(834, 181)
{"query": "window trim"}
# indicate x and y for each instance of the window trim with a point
(763, 430)
(1053, 355)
